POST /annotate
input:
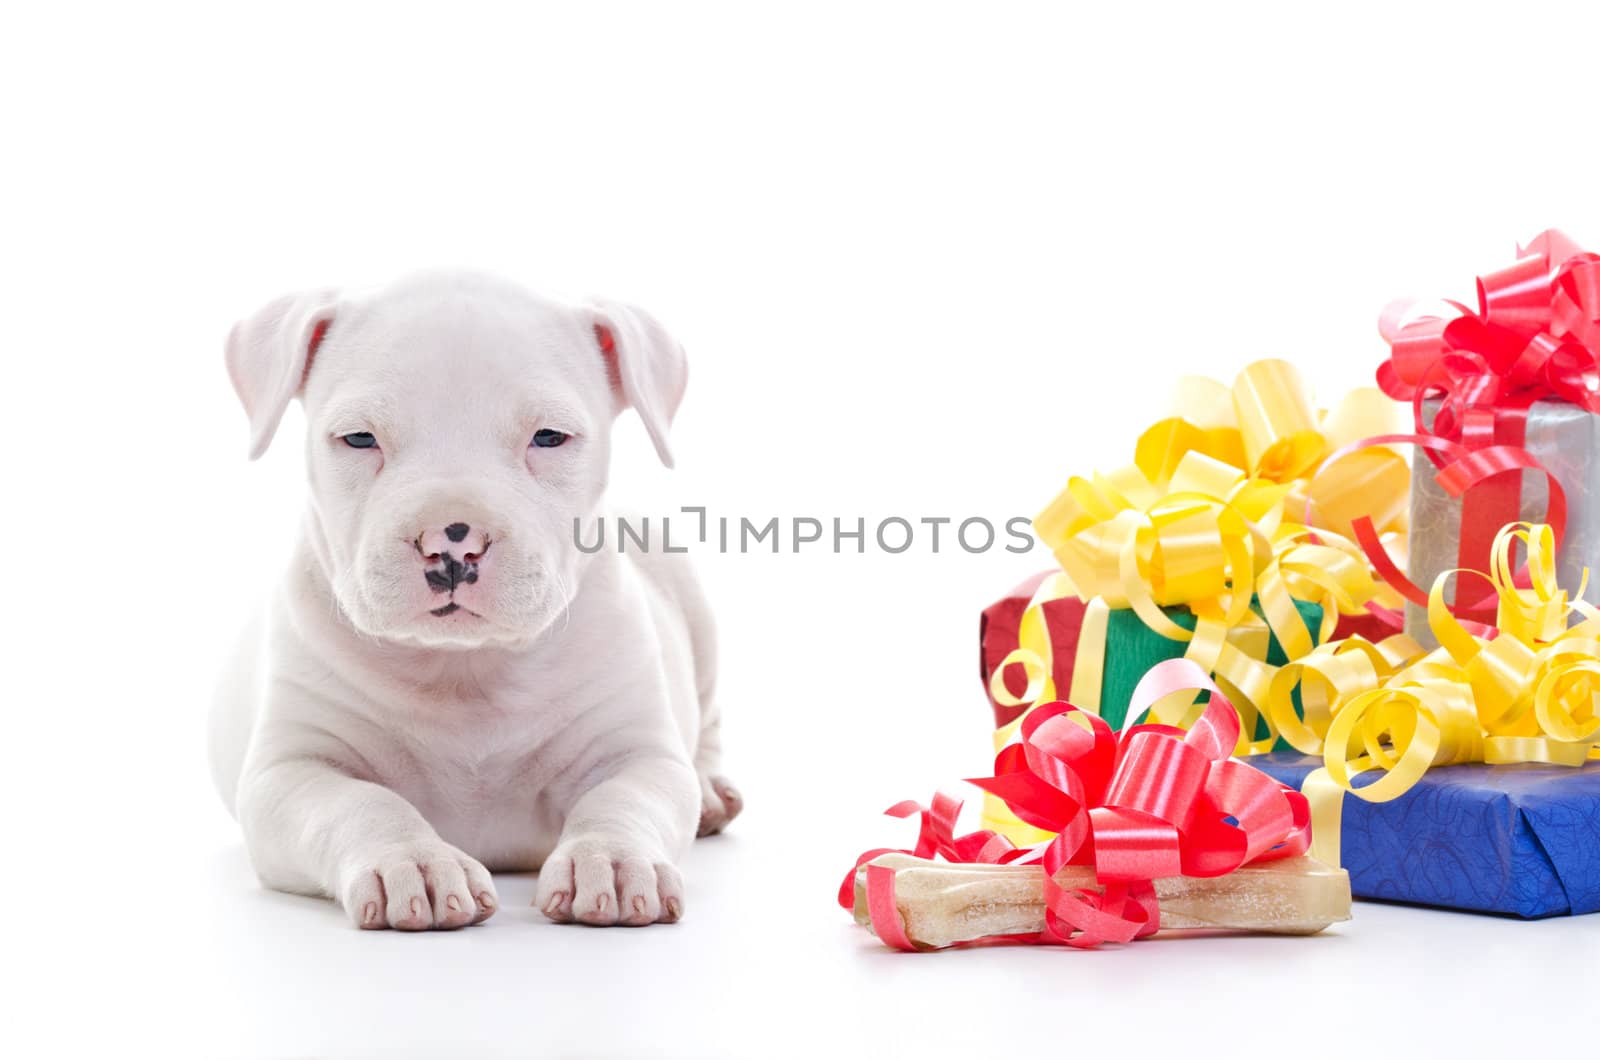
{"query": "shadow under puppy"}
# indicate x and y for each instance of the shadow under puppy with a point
(444, 684)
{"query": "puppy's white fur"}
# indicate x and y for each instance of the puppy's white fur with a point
(560, 717)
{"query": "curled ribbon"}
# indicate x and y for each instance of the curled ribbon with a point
(1152, 802)
(1524, 690)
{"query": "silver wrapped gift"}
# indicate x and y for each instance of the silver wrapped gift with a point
(1566, 439)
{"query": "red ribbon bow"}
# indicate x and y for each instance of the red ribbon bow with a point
(1535, 336)
(1154, 802)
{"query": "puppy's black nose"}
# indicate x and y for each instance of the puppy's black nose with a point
(457, 531)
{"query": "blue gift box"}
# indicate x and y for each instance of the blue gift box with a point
(1520, 839)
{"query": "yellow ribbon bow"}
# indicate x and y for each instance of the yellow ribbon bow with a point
(1211, 514)
(1528, 691)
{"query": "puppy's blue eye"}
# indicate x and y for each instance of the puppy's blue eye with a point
(360, 440)
(548, 439)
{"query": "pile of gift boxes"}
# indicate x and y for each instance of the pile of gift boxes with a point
(1414, 644)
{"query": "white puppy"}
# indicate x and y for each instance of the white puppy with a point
(445, 683)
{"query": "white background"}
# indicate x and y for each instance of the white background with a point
(926, 259)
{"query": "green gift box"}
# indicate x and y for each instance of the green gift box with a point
(1132, 647)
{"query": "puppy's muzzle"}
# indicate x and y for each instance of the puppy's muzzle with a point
(450, 556)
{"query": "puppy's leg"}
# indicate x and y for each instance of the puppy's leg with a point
(314, 830)
(720, 801)
(614, 862)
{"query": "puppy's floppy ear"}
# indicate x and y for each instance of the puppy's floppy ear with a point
(646, 366)
(270, 354)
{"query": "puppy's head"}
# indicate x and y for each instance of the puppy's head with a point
(456, 426)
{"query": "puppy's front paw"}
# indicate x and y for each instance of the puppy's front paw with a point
(605, 882)
(433, 885)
